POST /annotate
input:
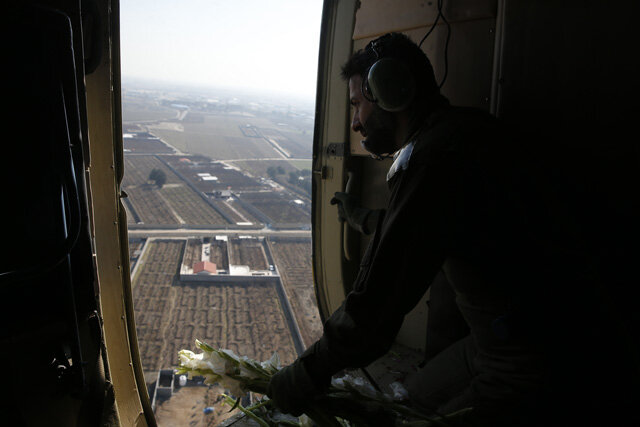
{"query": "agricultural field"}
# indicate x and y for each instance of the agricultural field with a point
(296, 143)
(138, 106)
(174, 203)
(293, 260)
(191, 207)
(248, 252)
(178, 203)
(135, 248)
(149, 205)
(234, 210)
(192, 252)
(301, 142)
(132, 215)
(154, 297)
(144, 143)
(280, 207)
(138, 168)
(260, 167)
(218, 136)
(245, 317)
(301, 163)
(211, 176)
(219, 254)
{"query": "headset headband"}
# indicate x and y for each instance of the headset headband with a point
(388, 82)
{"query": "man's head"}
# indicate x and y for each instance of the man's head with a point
(391, 82)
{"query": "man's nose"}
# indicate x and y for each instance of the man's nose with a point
(355, 123)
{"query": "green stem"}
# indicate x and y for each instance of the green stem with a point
(259, 405)
(248, 413)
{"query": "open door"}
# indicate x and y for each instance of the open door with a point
(554, 73)
(462, 51)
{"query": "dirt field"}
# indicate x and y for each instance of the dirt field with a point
(293, 259)
(234, 210)
(138, 106)
(219, 254)
(227, 178)
(190, 206)
(135, 247)
(150, 206)
(186, 408)
(192, 252)
(248, 252)
(219, 137)
(174, 203)
(145, 145)
(279, 207)
(246, 318)
(138, 168)
(297, 144)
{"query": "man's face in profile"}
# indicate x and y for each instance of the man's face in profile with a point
(378, 127)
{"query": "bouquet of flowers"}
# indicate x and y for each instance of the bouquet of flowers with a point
(348, 401)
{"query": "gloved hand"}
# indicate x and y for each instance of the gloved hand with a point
(292, 389)
(350, 210)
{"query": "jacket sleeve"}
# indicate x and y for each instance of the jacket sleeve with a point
(404, 255)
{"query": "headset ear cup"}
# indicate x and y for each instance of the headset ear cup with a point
(391, 84)
(366, 90)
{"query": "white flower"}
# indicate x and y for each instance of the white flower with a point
(305, 421)
(399, 392)
(272, 364)
(185, 356)
(217, 363)
(346, 382)
(248, 373)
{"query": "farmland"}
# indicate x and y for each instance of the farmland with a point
(293, 259)
(144, 143)
(199, 192)
(218, 137)
(149, 205)
(280, 207)
(154, 297)
(248, 252)
(219, 254)
(138, 168)
(193, 209)
(175, 203)
(211, 176)
(244, 316)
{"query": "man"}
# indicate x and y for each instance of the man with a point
(455, 206)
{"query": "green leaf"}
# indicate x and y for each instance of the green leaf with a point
(204, 346)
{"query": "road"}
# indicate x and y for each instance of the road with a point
(181, 232)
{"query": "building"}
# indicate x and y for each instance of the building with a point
(204, 267)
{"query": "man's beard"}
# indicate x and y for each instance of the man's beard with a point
(380, 129)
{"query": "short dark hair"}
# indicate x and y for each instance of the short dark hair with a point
(401, 47)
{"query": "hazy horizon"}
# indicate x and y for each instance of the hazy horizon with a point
(245, 45)
(203, 89)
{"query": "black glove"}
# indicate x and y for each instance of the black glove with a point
(292, 389)
(349, 210)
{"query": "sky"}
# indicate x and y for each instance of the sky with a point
(263, 45)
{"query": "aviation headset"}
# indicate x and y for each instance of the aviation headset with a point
(388, 82)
